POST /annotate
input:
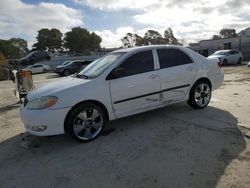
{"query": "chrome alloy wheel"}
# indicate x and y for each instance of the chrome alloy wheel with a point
(88, 124)
(202, 94)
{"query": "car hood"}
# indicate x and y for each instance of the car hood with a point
(53, 88)
(216, 56)
(60, 66)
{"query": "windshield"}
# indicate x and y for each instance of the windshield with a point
(97, 67)
(66, 62)
(221, 53)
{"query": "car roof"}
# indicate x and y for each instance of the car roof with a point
(148, 48)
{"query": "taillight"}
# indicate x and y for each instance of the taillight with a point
(220, 63)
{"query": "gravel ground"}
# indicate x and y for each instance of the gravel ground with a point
(176, 146)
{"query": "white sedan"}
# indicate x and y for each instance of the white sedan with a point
(38, 68)
(228, 56)
(120, 84)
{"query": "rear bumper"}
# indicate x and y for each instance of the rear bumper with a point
(217, 80)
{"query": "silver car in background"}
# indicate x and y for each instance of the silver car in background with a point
(228, 56)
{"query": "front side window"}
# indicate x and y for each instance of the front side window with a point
(172, 57)
(138, 63)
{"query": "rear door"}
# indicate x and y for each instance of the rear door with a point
(177, 72)
(137, 89)
(37, 68)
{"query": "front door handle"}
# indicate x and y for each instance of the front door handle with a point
(153, 76)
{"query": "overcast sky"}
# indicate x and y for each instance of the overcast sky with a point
(190, 20)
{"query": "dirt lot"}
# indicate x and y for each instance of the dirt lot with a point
(174, 147)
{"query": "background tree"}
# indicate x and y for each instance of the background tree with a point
(216, 37)
(131, 40)
(153, 37)
(48, 39)
(80, 40)
(95, 41)
(228, 33)
(13, 48)
(170, 38)
(194, 44)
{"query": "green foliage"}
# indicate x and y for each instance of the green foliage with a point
(228, 33)
(216, 37)
(13, 48)
(48, 39)
(80, 40)
(131, 40)
(150, 37)
(153, 37)
(194, 44)
(170, 38)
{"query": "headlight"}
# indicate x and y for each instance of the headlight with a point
(41, 103)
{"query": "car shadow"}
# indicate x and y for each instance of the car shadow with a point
(51, 76)
(172, 147)
(9, 107)
(235, 65)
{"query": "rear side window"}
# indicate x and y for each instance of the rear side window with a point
(172, 57)
(138, 63)
(37, 66)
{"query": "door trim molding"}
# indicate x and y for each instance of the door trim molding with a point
(153, 93)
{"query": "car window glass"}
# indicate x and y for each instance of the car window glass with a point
(138, 63)
(172, 57)
(37, 66)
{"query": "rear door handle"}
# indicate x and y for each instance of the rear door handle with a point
(153, 76)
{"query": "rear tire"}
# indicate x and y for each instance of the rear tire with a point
(66, 72)
(86, 122)
(200, 95)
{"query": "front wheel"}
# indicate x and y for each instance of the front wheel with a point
(86, 122)
(200, 95)
(239, 61)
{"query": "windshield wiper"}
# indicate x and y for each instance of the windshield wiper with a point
(82, 76)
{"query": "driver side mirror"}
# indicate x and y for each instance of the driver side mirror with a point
(116, 73)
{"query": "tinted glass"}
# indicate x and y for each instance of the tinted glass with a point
(172, 57)
(36, 66)
(138, 63)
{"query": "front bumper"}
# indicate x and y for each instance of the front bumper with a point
(53, 119)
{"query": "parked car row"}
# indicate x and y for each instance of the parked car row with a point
(71, 67)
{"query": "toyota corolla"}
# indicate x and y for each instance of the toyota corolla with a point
(120, 84)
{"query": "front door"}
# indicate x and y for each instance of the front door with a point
(137, 88)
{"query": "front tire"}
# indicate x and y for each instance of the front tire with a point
(86, 122)
(200, 95)
(224, 62)
(239, 61)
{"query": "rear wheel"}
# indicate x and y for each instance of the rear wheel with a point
(66, 72)
(200, 95)
(86, 122)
